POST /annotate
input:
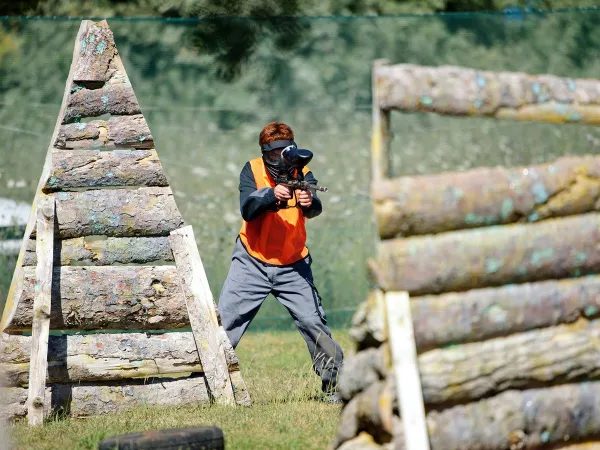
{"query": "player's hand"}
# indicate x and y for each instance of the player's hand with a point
(304, 197)
(282, 193)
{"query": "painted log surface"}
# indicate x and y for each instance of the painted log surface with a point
(144, 211)
(528, 419)
(462, 91)
(125, 131)
(89, 399)
(490, 256)
(120, 298)
(430, 204)
(103, 251)
(93, 168)
(96, 52)
(102, 357)
(116, 99)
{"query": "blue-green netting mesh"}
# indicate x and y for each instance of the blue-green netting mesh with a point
(205, 111)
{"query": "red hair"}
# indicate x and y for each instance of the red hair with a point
(275, 131)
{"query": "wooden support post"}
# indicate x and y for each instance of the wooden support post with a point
(41, 310)
(380, 138)
(406, 370)
(202, 314)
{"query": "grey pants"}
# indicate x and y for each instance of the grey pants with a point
(248, 284)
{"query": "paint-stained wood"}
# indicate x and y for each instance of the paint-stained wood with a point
(118, 298)
(115, 99)
(41, 311)
(93, 168)
(143, 211)
(96, 52)
(90, 399)
(202, 314)
(103, 251)
(122, 132)
(102, 357)
(490, 256)
(435, 203)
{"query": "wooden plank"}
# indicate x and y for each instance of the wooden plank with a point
(96, 52)
(463, 91)
(122, 132)
(117, 298)
(115, 99)
(381, 135)
(16, 285)
(104, 357)
(90, 399)
(41, 311)
(436, 203)
(93, 168)
(406, 370)
(202, 314)
(490, 256)
(144, 211)
(105, 251)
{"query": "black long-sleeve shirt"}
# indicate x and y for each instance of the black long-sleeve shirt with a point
(253, 201)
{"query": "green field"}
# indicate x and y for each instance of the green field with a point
(285, 413)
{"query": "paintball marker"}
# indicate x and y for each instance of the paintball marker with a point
(295, 158)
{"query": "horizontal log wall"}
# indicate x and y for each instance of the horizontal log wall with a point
(124, 131)
(461, 91)
(490, 256)
(121, 298)
(103, 251)
(82, 400)
(430, 204)
(103, 357)
(93, 168)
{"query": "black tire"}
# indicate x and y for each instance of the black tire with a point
(192, 438)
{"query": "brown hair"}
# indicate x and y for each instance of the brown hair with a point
(275, 131)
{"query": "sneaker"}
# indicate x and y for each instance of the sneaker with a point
(333, 398)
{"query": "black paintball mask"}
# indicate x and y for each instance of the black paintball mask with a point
(277, 168)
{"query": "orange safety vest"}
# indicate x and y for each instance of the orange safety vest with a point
(275, 237)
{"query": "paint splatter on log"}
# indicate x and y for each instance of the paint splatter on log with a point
(429, 204)
(119, 297)
(103, 251)
(93, 168)
(490, 256)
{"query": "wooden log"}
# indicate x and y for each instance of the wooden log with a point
(202, 314)
(430, 204)
(480, 314)
(104, 357)
(122, 132)
(462, 91)
(103, 251)
(92, 168)
(118, 298)
(115, 99)
(490, 256)
(13, 403)
(41, 311)
(82, 400)
(96, 52)
(143, 211)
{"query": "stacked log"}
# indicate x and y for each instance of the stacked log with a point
(502, 268)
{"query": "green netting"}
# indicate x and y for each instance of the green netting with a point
(316, 76)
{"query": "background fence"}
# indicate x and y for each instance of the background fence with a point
(205, 109)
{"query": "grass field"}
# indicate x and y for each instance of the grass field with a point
(284, 415)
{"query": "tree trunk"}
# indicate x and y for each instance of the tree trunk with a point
(96, 52)
(93, 168)
(429, 204)
(120, 298)
(494, 256)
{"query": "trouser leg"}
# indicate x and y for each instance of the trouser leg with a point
(294, 287)
(245, 289)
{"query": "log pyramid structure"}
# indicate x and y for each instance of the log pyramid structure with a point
(482, 330)
(109, 279)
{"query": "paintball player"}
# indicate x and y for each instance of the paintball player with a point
(270, 256)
